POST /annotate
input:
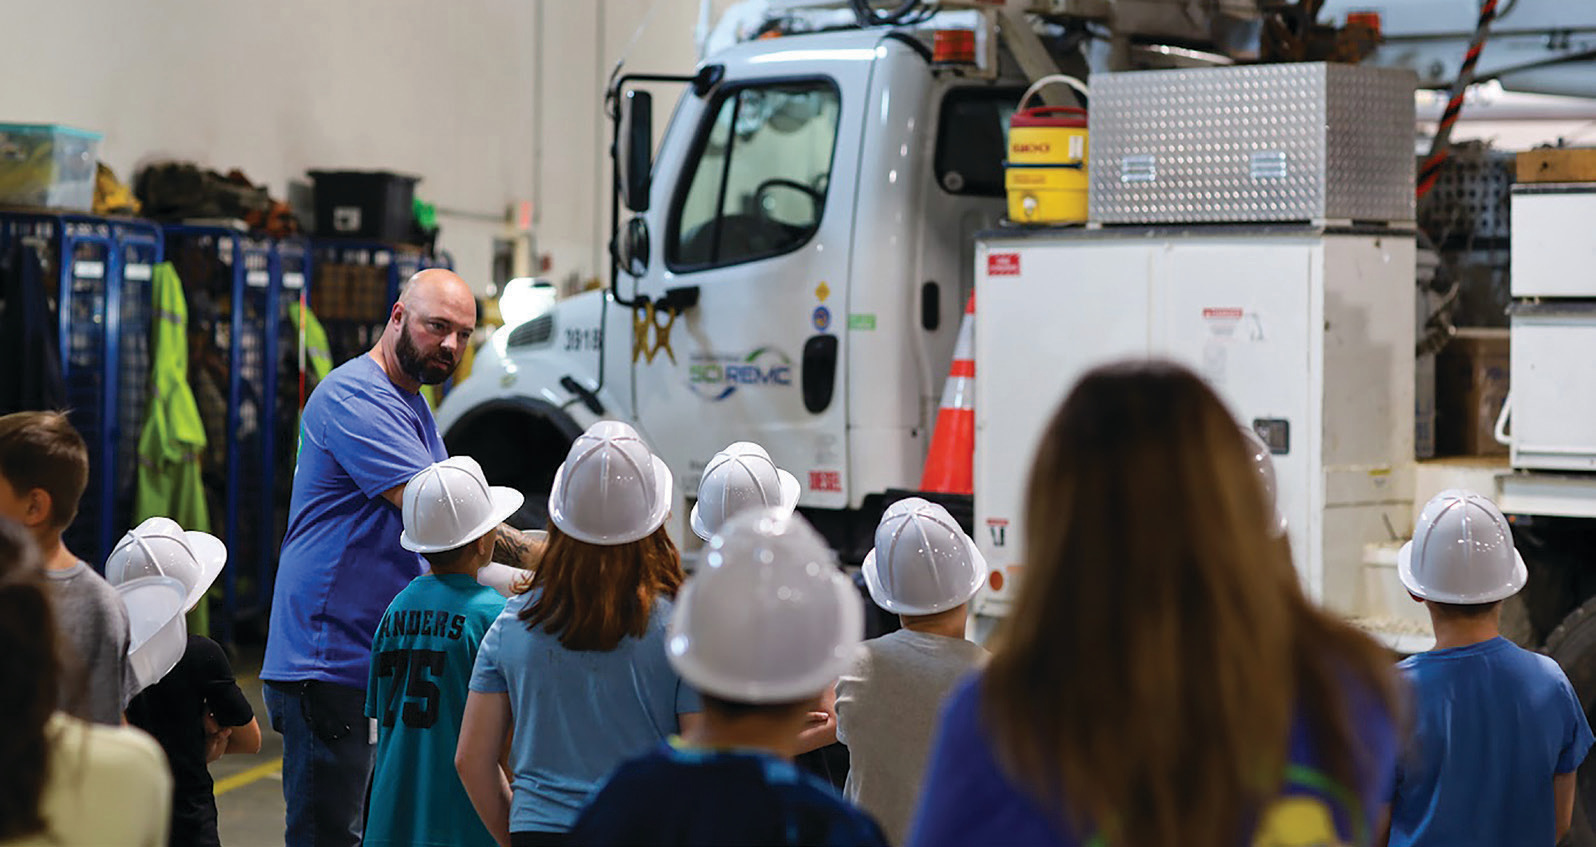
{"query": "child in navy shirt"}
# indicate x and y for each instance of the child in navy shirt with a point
(761, 631)
(1498, 731)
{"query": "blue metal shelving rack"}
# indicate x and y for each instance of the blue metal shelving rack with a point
(246, 271)
(141, 248)
(101, 271)
(291, 273)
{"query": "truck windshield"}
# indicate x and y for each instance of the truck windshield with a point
(972, 140)
(757, 184)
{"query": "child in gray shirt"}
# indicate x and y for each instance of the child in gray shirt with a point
(924, 569)
(95, 625)
(44, 467)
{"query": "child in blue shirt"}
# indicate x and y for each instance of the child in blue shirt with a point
(1498, 732)
(572, 675)
(422, 656)
(761, 631)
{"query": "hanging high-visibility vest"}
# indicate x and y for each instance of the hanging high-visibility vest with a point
(169, 482)
(315, 360)
(318, 353)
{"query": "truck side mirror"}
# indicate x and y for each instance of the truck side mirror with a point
(634, 158)
(630, 248)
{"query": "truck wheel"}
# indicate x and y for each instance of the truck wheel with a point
(520, 443)
(1573, 645)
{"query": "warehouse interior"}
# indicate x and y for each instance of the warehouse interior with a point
(868, 254)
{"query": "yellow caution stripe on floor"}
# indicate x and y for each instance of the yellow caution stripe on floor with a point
(254, 774)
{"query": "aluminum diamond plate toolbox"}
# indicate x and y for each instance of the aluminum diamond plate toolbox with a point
(1288, 142)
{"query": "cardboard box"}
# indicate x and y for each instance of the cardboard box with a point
(329, 296)
(1558, 164)
(1471, 382)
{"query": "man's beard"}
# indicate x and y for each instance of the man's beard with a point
(427, 370)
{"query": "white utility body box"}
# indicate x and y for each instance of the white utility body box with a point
(1306, 332)
(1553, 321)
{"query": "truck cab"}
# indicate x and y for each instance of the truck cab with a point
(795, 277)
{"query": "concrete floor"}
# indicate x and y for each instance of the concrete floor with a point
(249, 789)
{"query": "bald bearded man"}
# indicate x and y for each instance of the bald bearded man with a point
(365, 432)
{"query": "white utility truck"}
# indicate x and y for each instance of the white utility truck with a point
(821, 205)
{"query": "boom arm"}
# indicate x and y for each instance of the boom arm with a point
(1537, 46)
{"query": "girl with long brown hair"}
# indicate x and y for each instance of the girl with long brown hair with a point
(1162, 680)
(576, 662)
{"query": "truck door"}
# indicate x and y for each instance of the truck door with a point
(753, 189)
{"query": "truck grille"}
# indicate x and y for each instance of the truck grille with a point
(536, 331)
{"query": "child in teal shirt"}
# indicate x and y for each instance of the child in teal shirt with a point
(422, 656)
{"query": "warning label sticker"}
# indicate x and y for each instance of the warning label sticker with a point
(1003, 264)
(825, 480)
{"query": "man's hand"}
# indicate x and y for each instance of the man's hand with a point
(518, 548)
(216, 738)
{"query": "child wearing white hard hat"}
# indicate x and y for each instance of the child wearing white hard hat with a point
(761, 631)
(1263, 463)
(190, 702)
(1498, 731)
(422, 655)
(738, 478)
(577, 659)
(925, 570)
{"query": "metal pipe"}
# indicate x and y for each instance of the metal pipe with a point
(1441, 146)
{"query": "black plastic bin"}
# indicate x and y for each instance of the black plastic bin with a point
(373, 205)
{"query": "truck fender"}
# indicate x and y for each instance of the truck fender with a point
(520, 442)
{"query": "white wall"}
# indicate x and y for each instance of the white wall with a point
(472, 95)
(583, 39)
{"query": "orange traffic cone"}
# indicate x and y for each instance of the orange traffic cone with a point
(950, 466)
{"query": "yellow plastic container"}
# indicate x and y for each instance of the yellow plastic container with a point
(1046, 194)
(1046, 145)
(1046, 170)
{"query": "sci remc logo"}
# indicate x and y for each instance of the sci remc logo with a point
(717, 376)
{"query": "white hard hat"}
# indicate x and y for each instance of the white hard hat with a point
(611, 489)
(922, 563)
(740, 477)
(1264, 464)
(449, 504)
(158, 634)
(768, 618)
(159, 547)
(1462, 552)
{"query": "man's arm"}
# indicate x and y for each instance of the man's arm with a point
(515, 547)
(1563, 793)
(396, 495)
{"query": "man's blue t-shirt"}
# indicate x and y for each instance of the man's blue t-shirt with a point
(421, 661)
(341, 563)
(578, 714)
(969, 799)
(684, 797)
(1492, 724)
